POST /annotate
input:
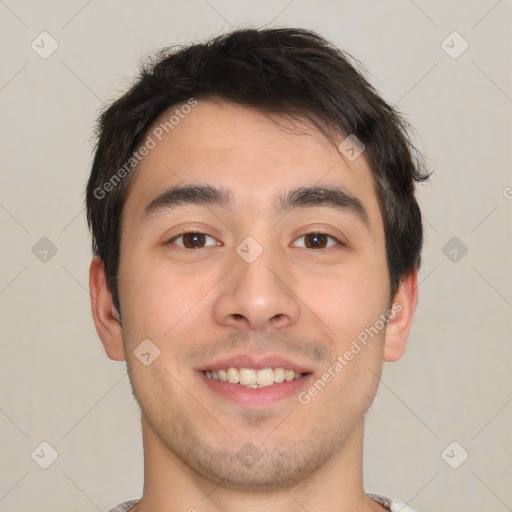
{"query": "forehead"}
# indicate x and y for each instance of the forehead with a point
(252, 154)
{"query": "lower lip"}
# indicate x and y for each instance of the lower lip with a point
(256, 396)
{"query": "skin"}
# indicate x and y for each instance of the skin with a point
(306, 304)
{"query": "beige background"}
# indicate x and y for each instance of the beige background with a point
(454, 384)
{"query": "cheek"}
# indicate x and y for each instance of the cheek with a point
(348, 301)
(156, 296)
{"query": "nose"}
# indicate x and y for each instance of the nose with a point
(257, 296)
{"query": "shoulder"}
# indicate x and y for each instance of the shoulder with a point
(125, 506)
(391, 504)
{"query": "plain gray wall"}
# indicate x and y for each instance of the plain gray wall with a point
(454, 384)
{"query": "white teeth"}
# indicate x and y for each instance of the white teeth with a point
(247, 376)
(253, 378)
(233, 375)
(279, 374)
(265, 377)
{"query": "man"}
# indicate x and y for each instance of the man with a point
(257, 243)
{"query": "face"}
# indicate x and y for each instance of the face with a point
(252, 250)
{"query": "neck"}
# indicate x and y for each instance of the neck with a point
(170, 484)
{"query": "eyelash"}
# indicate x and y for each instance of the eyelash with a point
(181, 235)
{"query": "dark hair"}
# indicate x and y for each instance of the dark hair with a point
(285, 71)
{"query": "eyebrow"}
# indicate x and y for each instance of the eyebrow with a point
(201, 195)
(335, 197)
(300, 197)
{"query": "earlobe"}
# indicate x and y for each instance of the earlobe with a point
(105, 315)
(400, 318)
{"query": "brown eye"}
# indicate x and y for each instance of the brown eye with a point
(193, 240)
(316, 241)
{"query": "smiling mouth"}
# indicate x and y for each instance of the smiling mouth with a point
(251, 378)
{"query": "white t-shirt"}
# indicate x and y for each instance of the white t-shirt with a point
(391, 504)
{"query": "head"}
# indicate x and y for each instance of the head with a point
(249, 141)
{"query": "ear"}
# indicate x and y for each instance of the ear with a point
(105, 315)
(400, 318)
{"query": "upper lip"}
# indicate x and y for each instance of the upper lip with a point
(255, 362)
